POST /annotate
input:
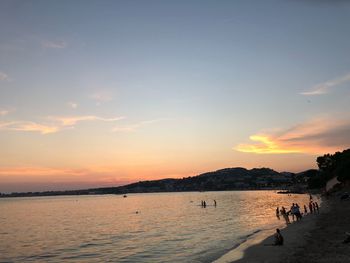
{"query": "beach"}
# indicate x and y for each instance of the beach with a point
(316, 238)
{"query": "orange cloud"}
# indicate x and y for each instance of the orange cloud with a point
(39, 171)
(28, 126)
(33, 178)
(57, 123)
(265, 145)
(316, 136)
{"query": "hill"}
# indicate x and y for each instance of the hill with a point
(225, 179)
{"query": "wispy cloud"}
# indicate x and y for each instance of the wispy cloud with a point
(315, 136)
(58, 44)
(101, 97)
(4, 76)
(72, 120)
(4, 112)
(28, 126)
(39, 171)
(72, 105)
(136, 126)
(53, 125)
(325, 87)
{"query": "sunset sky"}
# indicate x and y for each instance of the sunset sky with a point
(102, 93)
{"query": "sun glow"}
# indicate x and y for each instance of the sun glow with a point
(267, 145)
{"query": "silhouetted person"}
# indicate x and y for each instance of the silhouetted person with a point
(285, 215)
(305, 209)
(317, 207)
(278, 213)
(278, 238)
(293, 211)
(297, 212)
(314, 207)
(214, 202)
(204, 204)
(310, 207)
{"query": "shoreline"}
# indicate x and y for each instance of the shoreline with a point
(316, 238)
(260, 247)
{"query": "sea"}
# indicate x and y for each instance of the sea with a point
(152, 227)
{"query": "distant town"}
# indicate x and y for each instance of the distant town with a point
(221, 180)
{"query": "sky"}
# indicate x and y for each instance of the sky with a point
(104, 93)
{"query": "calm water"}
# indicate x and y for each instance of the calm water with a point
(169, 227)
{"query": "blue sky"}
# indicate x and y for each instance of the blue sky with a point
(117, 91)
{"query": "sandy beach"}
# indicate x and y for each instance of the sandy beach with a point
(316, 238)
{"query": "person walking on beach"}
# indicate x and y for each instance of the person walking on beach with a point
(214, 202)
(204, 204)
(297, 212)
(310, 207)
(278, 238)
(278, 213)
(305, 209)
(292, 211)
(285, 215)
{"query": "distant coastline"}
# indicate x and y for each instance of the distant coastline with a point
(221, 180)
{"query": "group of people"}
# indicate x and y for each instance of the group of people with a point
(296, 214)
(204, 204)
(313, 207)
(295, 211)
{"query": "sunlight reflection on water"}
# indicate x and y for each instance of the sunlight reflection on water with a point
(169, 227)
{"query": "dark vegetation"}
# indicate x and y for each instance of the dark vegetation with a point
(331, 165)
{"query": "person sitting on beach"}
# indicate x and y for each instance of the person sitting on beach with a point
(278, 238)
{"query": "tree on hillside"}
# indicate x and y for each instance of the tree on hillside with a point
(330, 165)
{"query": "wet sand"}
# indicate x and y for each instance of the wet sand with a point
(316, 238)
